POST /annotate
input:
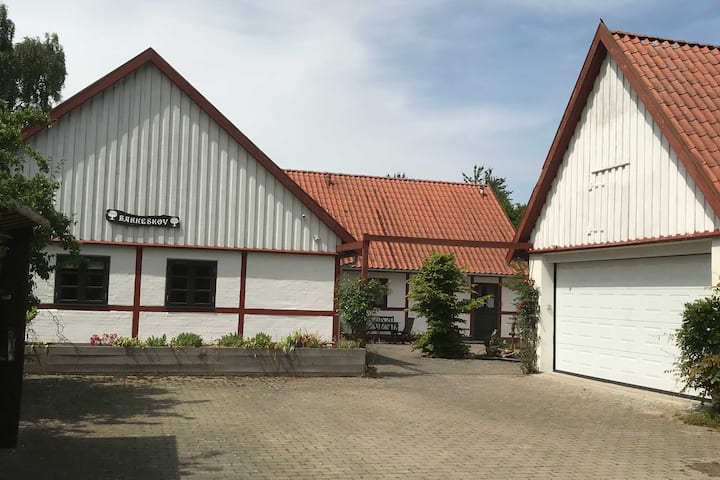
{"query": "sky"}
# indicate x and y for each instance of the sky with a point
(429, 88)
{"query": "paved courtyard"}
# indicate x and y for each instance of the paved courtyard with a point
(423, 418)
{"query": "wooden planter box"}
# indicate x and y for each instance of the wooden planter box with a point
(102, 360)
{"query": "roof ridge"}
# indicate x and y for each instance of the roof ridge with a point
(360, 175)
(664, 39)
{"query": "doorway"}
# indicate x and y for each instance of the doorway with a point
(485, 319)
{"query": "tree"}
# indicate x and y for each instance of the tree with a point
(483, 176)
(698, 339)
(357, 303)
(435, 291)
(28, 89)
(33, 70)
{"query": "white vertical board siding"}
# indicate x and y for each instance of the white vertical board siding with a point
(293, 282)
(145, 147)
(619, 179)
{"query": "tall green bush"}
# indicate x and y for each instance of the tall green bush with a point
(698, 339)
(436, 290)
(357, 304)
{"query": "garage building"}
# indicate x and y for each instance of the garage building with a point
(624, 220)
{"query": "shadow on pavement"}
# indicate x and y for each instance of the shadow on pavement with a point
(45, 455)
(59, 414)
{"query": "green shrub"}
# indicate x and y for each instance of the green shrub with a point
(231, 340)
(343, 343)
(357, 304)
(698, 339)
(436, 292)
(128, 342)
(153, 341)
(299, 339)
(187, 339)
(261, 340)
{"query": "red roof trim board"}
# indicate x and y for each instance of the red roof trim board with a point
(151, 56)
(605, 43)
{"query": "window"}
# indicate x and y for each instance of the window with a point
(381, 300)
(82, 280)
(190, 283)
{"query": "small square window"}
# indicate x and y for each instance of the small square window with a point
(190, 283)
(82, 280)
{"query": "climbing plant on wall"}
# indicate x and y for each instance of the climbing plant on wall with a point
(527, 302)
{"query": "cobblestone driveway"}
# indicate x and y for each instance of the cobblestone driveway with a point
(423, 419)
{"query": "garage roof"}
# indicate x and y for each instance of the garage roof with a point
(415, 209)
(679, 84)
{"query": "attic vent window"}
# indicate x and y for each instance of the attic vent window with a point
(610, 168)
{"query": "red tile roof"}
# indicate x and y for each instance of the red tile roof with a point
(413, 208)
(678, 82)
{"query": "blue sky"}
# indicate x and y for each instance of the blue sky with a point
(424, 87)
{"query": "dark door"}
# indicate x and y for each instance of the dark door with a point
(485, 319)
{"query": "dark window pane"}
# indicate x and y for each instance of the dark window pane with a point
(178, 296)
(205, 270)
(96, 265)
(204, 283)
(68, 293)
(203, 298)
(179, 269)
(69, 278)
(179, 283)
(94, 294)
(96, 279)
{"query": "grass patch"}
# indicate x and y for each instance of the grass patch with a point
(703, 417)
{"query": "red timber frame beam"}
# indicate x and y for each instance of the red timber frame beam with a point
(363, 246)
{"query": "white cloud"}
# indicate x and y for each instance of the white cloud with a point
(304, 80)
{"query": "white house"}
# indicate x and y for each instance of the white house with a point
(398, 222)
(185, 224)
(624, 221)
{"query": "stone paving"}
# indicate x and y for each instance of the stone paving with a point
(423, 418)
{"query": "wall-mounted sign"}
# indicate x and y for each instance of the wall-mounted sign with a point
(124, 218)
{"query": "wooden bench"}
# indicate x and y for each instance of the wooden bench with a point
(384, 324)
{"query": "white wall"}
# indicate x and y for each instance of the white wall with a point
(122, 273)
(284, 281)
(143, 146)
(154, 271)
(619, 179)
(280, 326)
(77, 326)
(210, 326)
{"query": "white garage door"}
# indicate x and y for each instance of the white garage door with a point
(615, 319)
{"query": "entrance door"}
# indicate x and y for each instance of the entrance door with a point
(485, 319)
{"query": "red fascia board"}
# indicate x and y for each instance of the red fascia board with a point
(563, 135)
(151, 56)
(630, 243)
